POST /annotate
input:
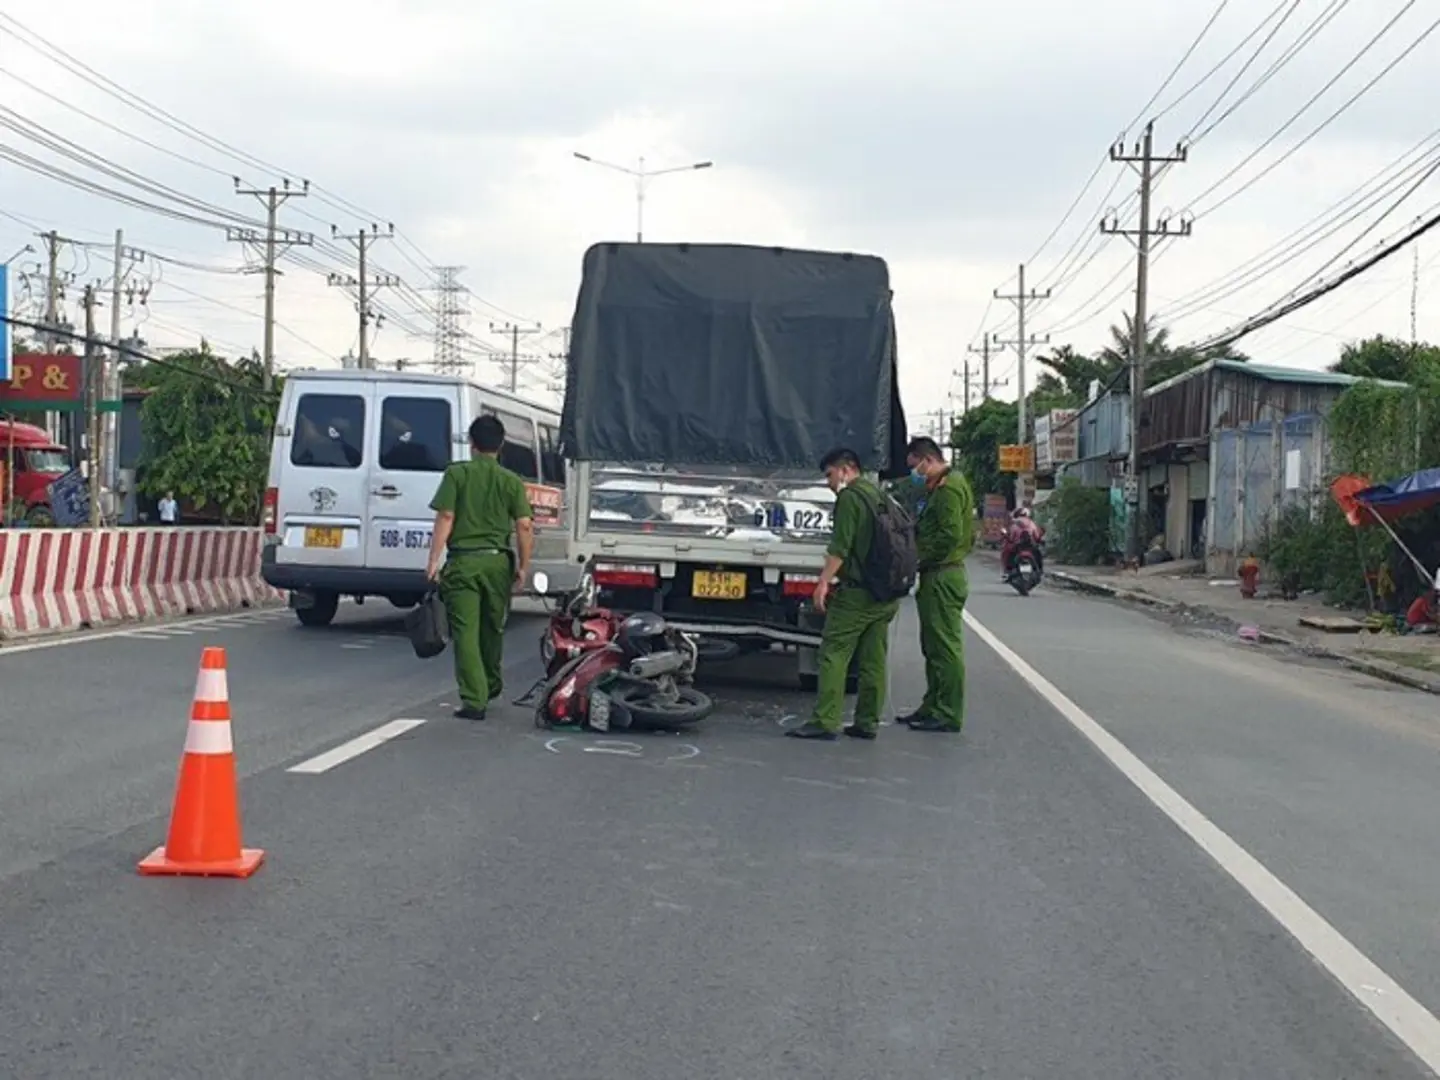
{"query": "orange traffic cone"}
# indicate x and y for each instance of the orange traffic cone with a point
(204, 837)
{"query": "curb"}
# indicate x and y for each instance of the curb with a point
(1374, 668)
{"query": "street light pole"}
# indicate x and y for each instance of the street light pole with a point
(642, 176)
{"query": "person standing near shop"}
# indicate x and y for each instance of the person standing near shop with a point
(945, 535)
(477, 507)
(856, 624)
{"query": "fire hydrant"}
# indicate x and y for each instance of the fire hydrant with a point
(1249, 577)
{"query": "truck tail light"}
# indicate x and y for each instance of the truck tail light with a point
(626, 576)
(800, 585)
(269, 515)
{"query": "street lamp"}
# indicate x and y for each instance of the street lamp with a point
(642, 176)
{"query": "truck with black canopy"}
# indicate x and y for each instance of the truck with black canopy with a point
(705, 382)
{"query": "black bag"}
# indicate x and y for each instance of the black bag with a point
(893, 563)
(428, 625)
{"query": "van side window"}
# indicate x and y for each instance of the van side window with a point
(415, 434)
(518, 454)
(552, 465)
(329, 432)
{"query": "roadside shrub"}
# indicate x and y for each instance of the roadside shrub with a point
(1080, 519)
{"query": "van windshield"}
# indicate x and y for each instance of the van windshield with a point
(47, 461)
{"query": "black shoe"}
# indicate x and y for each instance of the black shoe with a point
(929, 723)
(467, 712)
(909, 718)
(856, 731)
(811, 730)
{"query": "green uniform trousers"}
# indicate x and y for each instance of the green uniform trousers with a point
(858, 627)
(940, 603)
(476, 592)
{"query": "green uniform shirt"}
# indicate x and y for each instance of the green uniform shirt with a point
(945, 533)
(854, 529)
(486, 500)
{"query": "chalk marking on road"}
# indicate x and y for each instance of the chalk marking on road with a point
(690, 752)
(1392, 1005)
(355, 747)
(621, 749)
(553, 745)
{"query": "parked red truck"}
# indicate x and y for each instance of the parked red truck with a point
(35, 461)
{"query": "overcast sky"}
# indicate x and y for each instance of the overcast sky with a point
(948, 141)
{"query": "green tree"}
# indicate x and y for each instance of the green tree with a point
(207, 425)
(977, 438)
(1162, 361)
(1073, 371)
(1389, 359)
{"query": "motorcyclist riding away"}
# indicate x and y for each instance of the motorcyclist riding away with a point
(1023, 529)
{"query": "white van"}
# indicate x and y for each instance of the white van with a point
(356, 459)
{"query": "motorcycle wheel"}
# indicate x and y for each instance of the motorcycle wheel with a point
(1021, 579)
(647, 708)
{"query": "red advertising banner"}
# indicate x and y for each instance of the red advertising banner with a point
(546, 503)
(43, 383)
(996, 519)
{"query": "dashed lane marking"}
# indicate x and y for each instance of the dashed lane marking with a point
(144, 631)
(361, 744)
(1411, 1022)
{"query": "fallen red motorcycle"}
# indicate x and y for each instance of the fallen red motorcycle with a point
(606, 672)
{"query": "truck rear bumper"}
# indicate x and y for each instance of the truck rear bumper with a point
(804, 637)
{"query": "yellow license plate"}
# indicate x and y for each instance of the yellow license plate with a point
(317, 536)
(716, 585)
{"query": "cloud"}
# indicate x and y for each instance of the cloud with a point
(948, 143)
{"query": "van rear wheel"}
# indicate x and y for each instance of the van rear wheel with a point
(321, 612)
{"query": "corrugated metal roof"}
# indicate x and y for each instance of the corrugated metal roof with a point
(1269, 372)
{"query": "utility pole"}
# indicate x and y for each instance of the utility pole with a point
(984, 352)
(560, 364)
(1022, 300)
(110, 382)
(1150, 168)
(514, 331)
(93, 383)
(450, 313)
(272, 244)
(364, 282)
(61, 428)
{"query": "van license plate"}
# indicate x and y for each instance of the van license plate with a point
(317, 536)
(714, 585)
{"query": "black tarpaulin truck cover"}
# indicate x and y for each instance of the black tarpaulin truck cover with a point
(720, 354)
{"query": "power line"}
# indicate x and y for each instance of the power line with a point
(1306, 37)
(1308, 236)
(88, 74)
(1296, 147)
(1279, 311)
(1219, 64)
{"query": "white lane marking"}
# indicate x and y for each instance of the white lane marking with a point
(1411, 1022)
(355, 747)
(142, 631)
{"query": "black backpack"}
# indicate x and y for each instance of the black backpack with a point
(893, 562)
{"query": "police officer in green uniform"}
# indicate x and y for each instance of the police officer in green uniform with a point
(478, 505)
(856, 624)
(945, 534)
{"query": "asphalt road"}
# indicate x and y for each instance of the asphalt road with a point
(481, 901)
